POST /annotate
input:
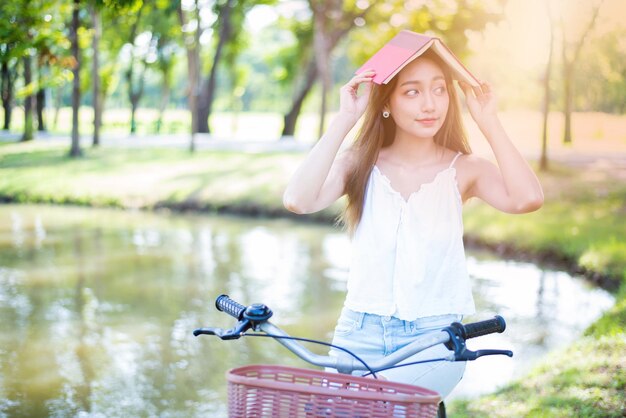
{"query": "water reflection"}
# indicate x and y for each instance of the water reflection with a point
(97, 307)
(545, 311)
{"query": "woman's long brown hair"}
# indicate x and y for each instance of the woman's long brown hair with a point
(377, 132)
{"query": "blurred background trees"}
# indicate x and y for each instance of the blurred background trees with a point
(284, 56)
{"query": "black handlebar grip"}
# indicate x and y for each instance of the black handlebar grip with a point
(225, 304)
(489, 326)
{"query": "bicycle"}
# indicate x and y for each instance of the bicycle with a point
(273, 390)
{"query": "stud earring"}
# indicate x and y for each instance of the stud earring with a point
(386, 114)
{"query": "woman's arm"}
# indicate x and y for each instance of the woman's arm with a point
(511, 186)
(320, 179)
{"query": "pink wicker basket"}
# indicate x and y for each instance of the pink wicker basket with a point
(279, 391)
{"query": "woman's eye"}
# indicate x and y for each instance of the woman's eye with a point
(440, 90)
(411, 92)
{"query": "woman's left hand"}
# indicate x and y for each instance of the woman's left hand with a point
(481, 102)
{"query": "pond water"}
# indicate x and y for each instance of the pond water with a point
(98, 306)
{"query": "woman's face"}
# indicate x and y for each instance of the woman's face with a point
(419, 103)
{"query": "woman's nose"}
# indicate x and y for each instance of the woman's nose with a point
(428, 103)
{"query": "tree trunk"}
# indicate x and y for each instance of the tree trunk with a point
(7, 93)
(136, 97)
(41, 106)
(543, 162)
(330, 24)
(95, 76)
(322, 52)
(28, 101)
(165, 98)
(75, 150)
(58, 101)
(133, 95)
(291, 118)
(193, 72)
(131, 98)
(208, 87)
(133, 122)
(567, 104)
(569, 66)
(41, 103)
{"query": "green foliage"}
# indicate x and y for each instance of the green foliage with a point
(288, 60)
(36, 29)
(573, 222)
(613, 322)
(605, 255)
(602, 72)
(450, 20)
(122, 6)
(266, 66)
(587, 379)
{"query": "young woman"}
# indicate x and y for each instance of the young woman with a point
(406, 177)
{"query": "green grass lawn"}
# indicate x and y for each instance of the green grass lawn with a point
(175, 121)
(588, 379)
(581, 223)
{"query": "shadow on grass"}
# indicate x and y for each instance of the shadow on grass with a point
(103, 160)
(44, 158)
(235, 180)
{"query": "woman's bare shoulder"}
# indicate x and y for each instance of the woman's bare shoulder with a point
(472, 162)
(468, 167)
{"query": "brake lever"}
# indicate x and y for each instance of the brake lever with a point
(473, 355)
(229, 334)
(461, 353)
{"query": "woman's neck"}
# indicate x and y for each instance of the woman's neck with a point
(414, 151)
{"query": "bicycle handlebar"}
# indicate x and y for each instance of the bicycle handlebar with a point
(497, 324)
(256, 317)
(489, 326)
(226, 304)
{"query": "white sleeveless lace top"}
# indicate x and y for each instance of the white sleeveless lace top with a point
(408, 258)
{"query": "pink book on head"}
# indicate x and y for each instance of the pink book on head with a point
(404, 48)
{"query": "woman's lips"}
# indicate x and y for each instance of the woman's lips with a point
(427, 122)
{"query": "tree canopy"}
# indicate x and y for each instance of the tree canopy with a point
(252, 56)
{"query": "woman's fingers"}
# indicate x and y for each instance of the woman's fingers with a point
(369, 74)
(483, 88)
(349, 100)
(365, 76)
(467, 89)
(365, 91)
(351, 87)
(481, 92)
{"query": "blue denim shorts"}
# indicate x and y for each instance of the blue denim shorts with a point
(372, 337)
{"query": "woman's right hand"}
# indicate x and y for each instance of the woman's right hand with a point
(320, 179)
(352, 103)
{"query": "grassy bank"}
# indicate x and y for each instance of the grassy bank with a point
(580, 226)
